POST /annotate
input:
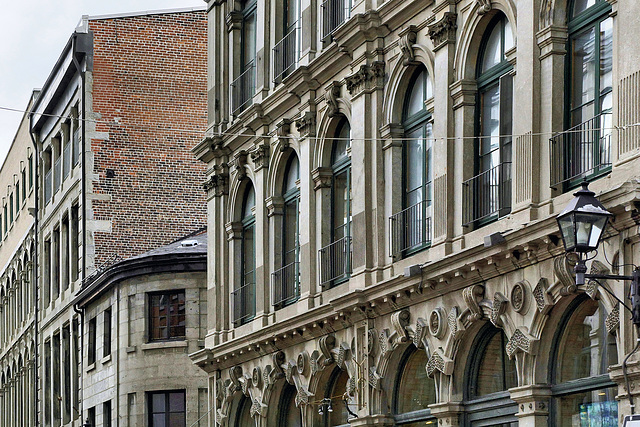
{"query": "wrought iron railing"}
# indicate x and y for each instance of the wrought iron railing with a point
(335, 261)
(285, 284)
(243, 300)
(285, 55)
(334, 13)
(66, 156)
(57, 171)
(487, 195)
(242, 89)
(410, 229)
(47, 186)
(581, 151)
(76, 146)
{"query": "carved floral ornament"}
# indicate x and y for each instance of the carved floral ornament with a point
(443, 31)
(366, 77)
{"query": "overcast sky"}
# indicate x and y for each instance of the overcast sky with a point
(32, 36)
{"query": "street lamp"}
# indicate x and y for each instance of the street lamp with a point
(581, 225)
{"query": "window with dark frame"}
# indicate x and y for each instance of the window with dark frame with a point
(167, 316)
(91, 349)
(106, 345)
(106, 414)
(167, 408)
(91, 416)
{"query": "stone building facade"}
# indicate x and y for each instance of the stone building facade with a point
(388, 175)
(17, 290)
(143, 317)
(114, 124)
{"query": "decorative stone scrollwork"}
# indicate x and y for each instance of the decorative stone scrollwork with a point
(521, 341)
(444, 31)
(245, 383)
(256, 377)
(455, 329)
(400, 321)
(365, 77)
(306, 124)
(438, 362)
(372, 342)
(331, 97)
(542, 298)
(591, 287)
(519, 296)
(437, 322)
(342, 353)
(564, 273)
(258, 408)
(327, 343)
(485, 6)
(408, 37)
(498, 308)
(612, 322)
(235, 373)
(420, 333)
(472, 296)
(374, 378)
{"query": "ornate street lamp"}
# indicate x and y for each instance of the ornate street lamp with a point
(581, 225)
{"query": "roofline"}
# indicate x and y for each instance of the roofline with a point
(132, 267)
(25, 116)
(148, 12)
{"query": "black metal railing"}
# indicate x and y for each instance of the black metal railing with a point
(47, 186)
(487, 195)
(76, 146)
(581, 151)
(66, 164)
(242, 89)
(243, 301)
(285, 55)
(285, 284)
(410, 229)
(334, 13)
(335, 261)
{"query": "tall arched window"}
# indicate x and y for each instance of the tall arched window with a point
(335, 258)
(334, 410)
(584, 151)
(490, 373)
(583, 350)
(488, 193)
(243, 416)
(414, 390)
(244, 295)
(411, 227)
(286, 284)
(289, 414)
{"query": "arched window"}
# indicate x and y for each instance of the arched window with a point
(334, 409)
(335, 258)
(243, 415)
(583, 350)
(244, 295)
(414, 390)
(586, 148)
(289, 413)
(488, 193)
(286, 279)
(490, 373)
(411, 227)
(243, 86)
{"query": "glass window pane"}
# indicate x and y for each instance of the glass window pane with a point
(158, 403)
(414, 169)
(249, 203)
(496, 372)
(341, 143)
(416, 390)
(583, 69)
(176, 402)
(490, 128)
(340, 204)
(249, 258)
(592, 408)
(586, 348)
(492, 54)
(293, 416)
(290, 231)
(508, 35)
(416, 99)
(580, 6)
(606, 55)
(339, 415)
(248, 40)
(159, 420)
(177, 420)
(291, 175)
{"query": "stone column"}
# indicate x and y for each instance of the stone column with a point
(447, 413)
(391, 135)
(533, 405)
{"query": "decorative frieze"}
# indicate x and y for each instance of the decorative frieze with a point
(443, 31)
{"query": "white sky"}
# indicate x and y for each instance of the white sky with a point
(32, 36)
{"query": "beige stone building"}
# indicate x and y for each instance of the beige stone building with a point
(383, 182)
(17, 290)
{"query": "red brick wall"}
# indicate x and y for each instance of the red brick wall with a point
(149, 93)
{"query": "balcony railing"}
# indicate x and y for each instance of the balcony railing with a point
(243, 300)
(76, 146)
(335, 261)
(487, 195)
(66, 165)
(47, 186)
(410, 229)
(242, 89)
(334, 12)
(285, 285)
(582, 151)
(285, 55)
(57, 170)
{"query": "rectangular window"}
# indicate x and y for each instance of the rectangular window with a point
(57, 166)
(57, 391)
(167, 316)
(24, 185)
(66, 374)
(6, 218)
(47, 383)
(167, 408)
(106, 345)
(74, 242)
(91, 416)
(65, 252)
(11, 209)
(17, 198)
(76, 135)
(46, 276)
(91, 349)
(55, 263)
(66, 149)
(30, 172)
(106, 414)
(48, 172)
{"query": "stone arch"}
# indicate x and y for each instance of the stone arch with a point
(236, 196)
(321, 156)
(553, 13)
(399, 79)
(471, 36)
(281, 154)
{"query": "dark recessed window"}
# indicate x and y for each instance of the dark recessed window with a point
(167, 316)
(91, 351)
(106, 345)
(167, 408)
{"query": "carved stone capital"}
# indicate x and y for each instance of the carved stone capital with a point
(260, 156)
(367, 77)
(234, 20)
(274, 205)
(443, 31)
(306, 124)
(321, 177)
(218, 182)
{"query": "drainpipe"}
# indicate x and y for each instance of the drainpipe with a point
(34, 278)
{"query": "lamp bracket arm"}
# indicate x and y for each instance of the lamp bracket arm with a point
(608, 277)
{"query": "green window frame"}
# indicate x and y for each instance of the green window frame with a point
(245, 292)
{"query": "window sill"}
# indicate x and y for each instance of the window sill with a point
(163, 344)
(106, 359)
(91, 367)
(131, 349)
